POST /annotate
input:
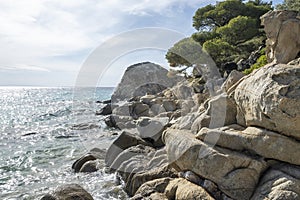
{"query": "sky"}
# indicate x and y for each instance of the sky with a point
(49, 42)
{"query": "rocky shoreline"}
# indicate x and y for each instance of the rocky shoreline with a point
(178, 140)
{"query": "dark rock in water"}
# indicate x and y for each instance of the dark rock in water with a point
(149, 88)
(89, 166)
(124, 141)
(94, 154)
(28, 134)
(106, 110)
(68, 192)
(104, 102)
(110, 121)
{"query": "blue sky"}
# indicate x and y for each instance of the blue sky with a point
(46, 42)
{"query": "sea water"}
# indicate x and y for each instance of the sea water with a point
(42, 132)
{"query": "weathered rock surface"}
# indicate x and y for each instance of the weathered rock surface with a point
(68, 192)
(270, 98)
(220, 111)
(148, 88)
(232, 78)
(281, 182)
(106, 110)
(168, 188)
(282, 29)
(258, 141)
(141, 74)
(235, 174)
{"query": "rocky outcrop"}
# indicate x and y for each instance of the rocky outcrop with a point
(269, 98)
(282, 29)
(236, 174)
(140, 74)
(257, 141)
(68, 192)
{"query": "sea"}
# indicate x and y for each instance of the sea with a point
(43, 131)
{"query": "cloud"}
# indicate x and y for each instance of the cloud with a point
(58, 35)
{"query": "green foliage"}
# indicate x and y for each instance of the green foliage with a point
(228, 31)
(219, 50)
(239, 29)
(289, 5)
(261, 61)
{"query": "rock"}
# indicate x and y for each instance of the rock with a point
(221, 111)
(169, 105)
(234, 173)
(232, 78)
(269, 98)
(152, 187)
(139, 179)
(295, 62)
(281, 182)
(282, 28)
(140, 109)
(120, 122)
(156, 109)
(93, 155)
(152, 128)
(169, 188)
(182, 189)
(257, 141)
(186, 121)
(148, 88)
(132, 109)
(123, 141)
(68, 192)
(90, 166)
(106, 110)
(182, 90)
(192, 177)
(147, 99)
(141, 74)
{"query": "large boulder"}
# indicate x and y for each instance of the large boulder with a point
(140, 74)
(270, 98)
(256, 141)
(282, 29)
(235, 174)
(281, 182)
(68, 192)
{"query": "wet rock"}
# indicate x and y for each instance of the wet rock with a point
(68, 192)
(94, 154)
(106, 110)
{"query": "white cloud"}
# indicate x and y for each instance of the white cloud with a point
(49, 33)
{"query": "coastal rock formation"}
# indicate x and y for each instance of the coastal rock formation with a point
(140, 74)
(282, 29)
(238, 175)
(68, 192)
(269, 98)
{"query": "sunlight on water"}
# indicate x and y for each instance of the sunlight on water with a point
(42, 133)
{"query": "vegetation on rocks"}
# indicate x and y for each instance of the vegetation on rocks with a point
(228, 31)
